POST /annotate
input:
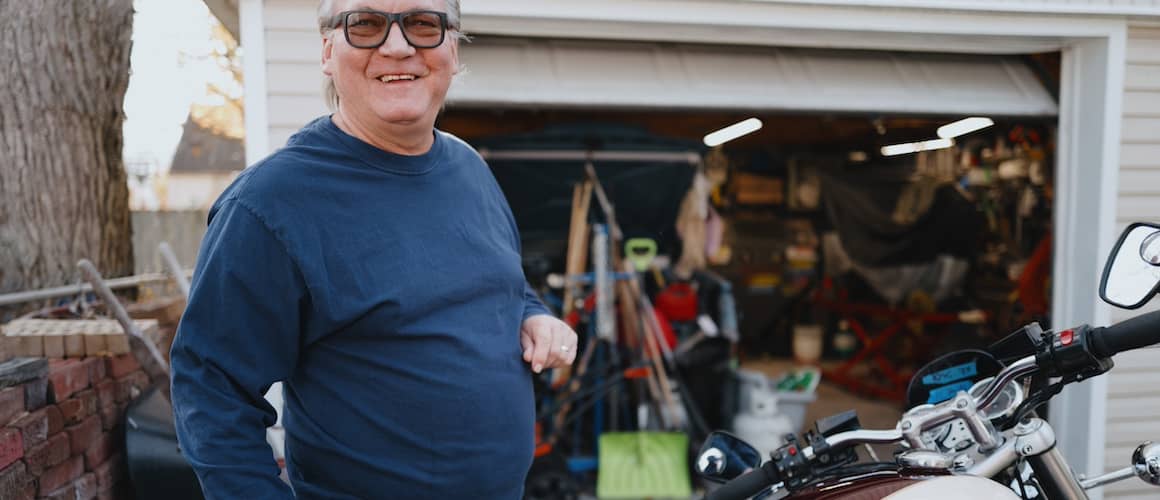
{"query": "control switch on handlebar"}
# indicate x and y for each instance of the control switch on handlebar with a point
(1068, 354)
(825, 458)
(792, 465)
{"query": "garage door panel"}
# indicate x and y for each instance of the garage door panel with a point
(515, 71)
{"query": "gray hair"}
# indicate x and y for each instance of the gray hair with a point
(326, 12)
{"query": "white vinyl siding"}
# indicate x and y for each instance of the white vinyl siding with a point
(1134, 385)
(1130, 7)
(293, 67)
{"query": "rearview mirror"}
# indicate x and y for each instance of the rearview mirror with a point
(1132, 273)
(725, 456)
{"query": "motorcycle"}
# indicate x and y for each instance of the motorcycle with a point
(972, 431)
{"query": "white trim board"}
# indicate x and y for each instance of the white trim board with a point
(782, 24)
(253, 28)
(1142, 8)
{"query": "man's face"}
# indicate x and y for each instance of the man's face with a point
(395, 84)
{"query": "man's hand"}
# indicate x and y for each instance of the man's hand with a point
(547, 342)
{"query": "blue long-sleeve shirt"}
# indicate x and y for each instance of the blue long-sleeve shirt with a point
(386, 291)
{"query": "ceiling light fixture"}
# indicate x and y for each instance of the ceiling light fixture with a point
(732, 132)
(914, 147)
(964, 127)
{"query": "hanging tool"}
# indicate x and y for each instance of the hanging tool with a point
(174, 268)
(143, 348)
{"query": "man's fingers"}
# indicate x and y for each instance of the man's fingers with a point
(563, 346)
(542, 341)
(527, 343)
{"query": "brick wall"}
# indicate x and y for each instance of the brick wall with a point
(61, 430)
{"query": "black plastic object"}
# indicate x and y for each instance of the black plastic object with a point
(834, 424)
(724, 457)
(944, 377)
(157, 469)
(1024, 342)
(706, 371)
(1148, 252)
(826, 459)
(1141, 331)
(747, 485)
(550, 479)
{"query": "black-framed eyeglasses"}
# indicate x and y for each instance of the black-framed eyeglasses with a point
(368, 29)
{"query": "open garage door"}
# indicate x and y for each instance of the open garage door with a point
(544, 72)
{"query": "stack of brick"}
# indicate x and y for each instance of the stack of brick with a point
(61, 432)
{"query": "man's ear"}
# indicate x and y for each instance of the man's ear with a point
(327, 53)
(455, 55)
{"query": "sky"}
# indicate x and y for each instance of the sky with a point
(169, 73)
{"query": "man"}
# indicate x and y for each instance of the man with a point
(373, 266)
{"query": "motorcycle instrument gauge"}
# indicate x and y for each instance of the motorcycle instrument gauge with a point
(1004, 405)
(948, 437)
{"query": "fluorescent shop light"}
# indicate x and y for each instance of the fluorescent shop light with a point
(732, 132)
(964, 127)
(914, 147)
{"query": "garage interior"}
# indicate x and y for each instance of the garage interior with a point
(838, 257)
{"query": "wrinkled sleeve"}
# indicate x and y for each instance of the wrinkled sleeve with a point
(532, 303)
(239, 334)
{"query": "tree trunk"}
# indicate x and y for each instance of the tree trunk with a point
(63, 189)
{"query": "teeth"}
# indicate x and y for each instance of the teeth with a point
(391, 78)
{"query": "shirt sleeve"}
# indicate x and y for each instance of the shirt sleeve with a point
(239, 335)
(532, 303)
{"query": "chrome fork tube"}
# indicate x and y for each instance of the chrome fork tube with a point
(1056, 478)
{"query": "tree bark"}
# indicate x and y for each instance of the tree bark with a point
(63, 189)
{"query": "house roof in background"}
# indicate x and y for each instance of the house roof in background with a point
(227, 12)
(201, 152)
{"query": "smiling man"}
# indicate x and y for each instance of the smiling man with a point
(373, 266)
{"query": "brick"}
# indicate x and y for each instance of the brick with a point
(100, 450)
(131, 386)
(66, 377)
(106, 392)
(16, 483)
(167, 311)
(33, 428)
(74, 345)
(55, 420)
(20, 370)
(36, 394)
(28, 345)
(109, 472)
(11, 404)
(11, 447)
(82, 435)
(98, 370)
(111, 416)
(68, 492)
(96, 345)
(79, 407)
(86, 487)
(121, 365)
(60, 475)
(64, 493)
(48, 454)
(53, 346)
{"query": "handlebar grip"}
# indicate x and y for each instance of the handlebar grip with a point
(746, 485)
(1141, 331)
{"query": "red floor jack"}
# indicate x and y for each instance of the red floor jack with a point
(892, 385)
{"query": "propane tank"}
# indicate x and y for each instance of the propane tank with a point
(758, 421)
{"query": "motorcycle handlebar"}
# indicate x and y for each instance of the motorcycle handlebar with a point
(747, 484)
(1141, 331)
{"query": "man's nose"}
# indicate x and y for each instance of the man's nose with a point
(396, 44)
